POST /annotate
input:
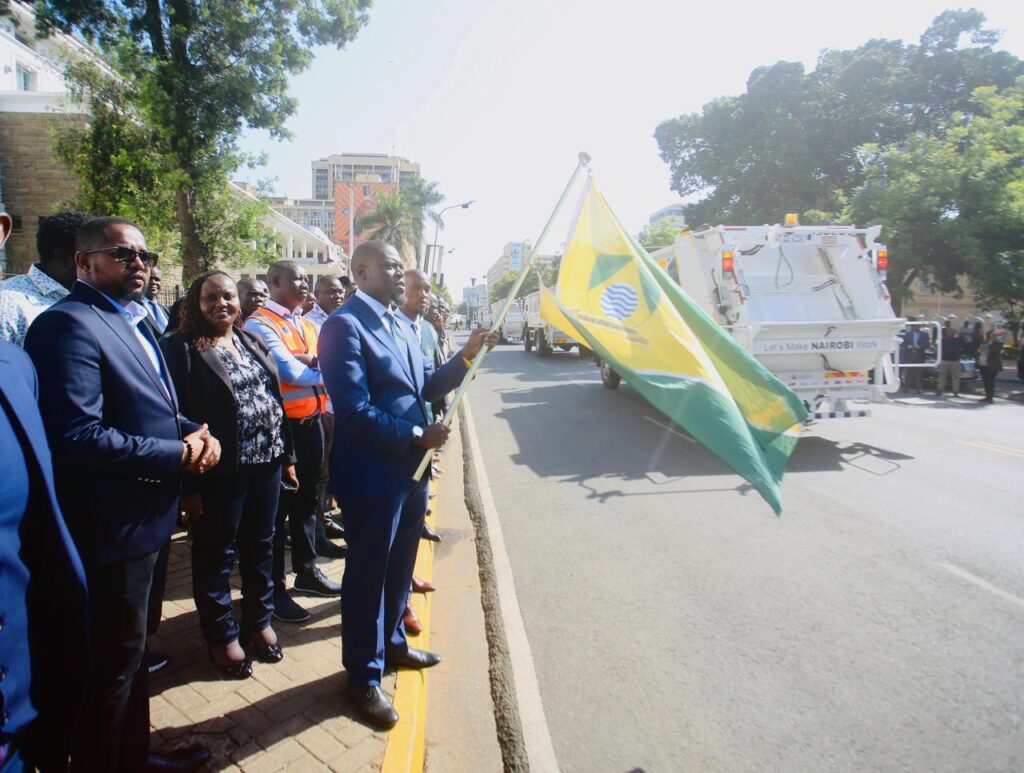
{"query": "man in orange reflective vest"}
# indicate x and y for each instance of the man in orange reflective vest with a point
(293, 343)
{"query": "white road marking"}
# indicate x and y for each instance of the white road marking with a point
(675, 432)
(985, 584)
(536, 736)
(1017, 452)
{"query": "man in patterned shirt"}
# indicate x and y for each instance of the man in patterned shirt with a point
(23, 298)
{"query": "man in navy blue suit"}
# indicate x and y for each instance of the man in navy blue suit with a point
(42, 584)
(119, 445)
(380, 385)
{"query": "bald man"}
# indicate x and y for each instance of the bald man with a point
(380, 384)
(293, 343)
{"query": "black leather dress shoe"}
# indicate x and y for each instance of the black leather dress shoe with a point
(373, 705)
(414, 658)
(333, 529)
(181, 760)
(429, 534)
(327, 549)
(316, 583)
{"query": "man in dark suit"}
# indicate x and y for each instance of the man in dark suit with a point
(42, 587)
(120, 445)
(380, 384)
(42, 584)
(915, 343)
(158, 313)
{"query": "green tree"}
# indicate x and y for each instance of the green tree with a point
(392, 221)
(124, 169)
(953, 202)
(661, 234)
(419, 196)
(791, 142)
(204, 70)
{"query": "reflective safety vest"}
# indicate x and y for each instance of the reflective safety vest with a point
(300, 402)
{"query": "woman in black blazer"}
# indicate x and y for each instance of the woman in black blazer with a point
(226, 378)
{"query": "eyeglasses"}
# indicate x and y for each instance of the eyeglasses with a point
(127, 255)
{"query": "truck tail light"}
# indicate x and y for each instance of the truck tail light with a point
(728, 263)
(883, 260)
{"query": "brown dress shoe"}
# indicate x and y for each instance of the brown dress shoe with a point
(413, 626)
(422, 586)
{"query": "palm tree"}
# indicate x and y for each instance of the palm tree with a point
(393, 222)
(420, 195)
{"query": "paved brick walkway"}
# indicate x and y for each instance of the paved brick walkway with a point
(293, 715)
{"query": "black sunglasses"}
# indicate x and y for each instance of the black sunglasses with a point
(127, 255)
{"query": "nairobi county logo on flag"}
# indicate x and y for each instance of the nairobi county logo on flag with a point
(619, 302)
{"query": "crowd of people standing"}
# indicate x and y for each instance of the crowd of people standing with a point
(985, 348)
(247, 413)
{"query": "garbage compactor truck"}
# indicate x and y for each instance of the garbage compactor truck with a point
(809, 302)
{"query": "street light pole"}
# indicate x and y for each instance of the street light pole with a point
(437, 226)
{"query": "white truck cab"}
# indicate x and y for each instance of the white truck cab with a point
(540, 334)
(808, 302)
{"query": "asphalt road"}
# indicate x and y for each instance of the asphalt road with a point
(676, 624)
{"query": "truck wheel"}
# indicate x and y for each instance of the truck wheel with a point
(528, 340)
(609, 377)
(543, 347)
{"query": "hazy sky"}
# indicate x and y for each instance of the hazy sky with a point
(495, 98)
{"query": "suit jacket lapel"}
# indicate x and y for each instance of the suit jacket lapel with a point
(122, 330)
(376, 326)
(212, 360)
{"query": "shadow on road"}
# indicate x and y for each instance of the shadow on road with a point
(585, 433)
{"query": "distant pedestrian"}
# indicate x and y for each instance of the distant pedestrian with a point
(159, 316)
(949, 363)
(915, 343)
(23, 298)
(990, 362)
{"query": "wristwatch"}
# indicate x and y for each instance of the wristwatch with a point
(417, 432)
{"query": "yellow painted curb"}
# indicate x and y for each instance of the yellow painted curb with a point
(407, 742)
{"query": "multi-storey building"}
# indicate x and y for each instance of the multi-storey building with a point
(311, 213)
(34, 100)
(674, 213)
(353, 200)
(356, 167)
(511, 259)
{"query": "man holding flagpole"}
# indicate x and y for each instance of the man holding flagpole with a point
(380, 385)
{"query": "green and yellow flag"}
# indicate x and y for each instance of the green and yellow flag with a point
(615, 297)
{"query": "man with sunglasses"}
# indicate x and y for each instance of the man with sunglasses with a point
(119, 446)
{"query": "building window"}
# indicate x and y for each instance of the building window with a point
(366, 190)
(25, 79)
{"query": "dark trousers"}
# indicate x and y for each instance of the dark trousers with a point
(382, 533)
(238, 518)
(298, 508)
(988, 379)
(323, 488)
(113, 732)
(156, 593)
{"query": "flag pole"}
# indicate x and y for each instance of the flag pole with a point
(584, 162)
